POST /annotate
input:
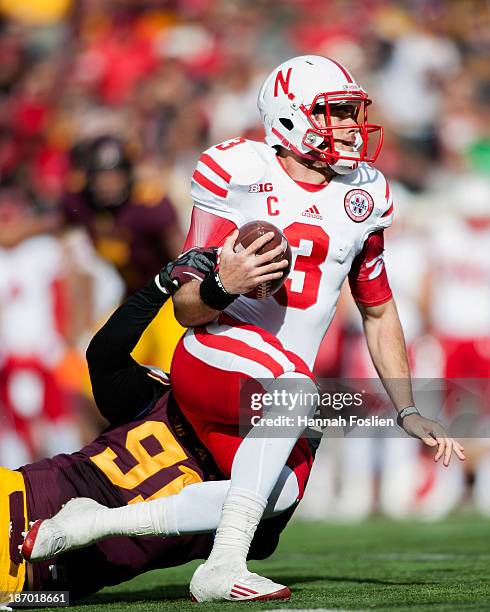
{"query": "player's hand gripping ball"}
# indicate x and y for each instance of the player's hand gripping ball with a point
(249, 233)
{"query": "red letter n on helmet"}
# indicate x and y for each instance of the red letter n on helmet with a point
(284, 82)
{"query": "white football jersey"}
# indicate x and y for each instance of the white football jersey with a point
(29, 275)
(242, 181)
(460, 255)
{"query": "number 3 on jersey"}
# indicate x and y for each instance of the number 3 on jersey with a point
(317, 240)
(228, 144)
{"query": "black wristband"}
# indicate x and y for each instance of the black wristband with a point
(213, 294)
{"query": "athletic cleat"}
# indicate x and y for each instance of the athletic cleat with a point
(26, 549)
(70, 529)
(220, 583)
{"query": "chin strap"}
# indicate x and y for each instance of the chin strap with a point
(340, 168)
(346, 166)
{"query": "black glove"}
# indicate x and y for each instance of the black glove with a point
(195, 263)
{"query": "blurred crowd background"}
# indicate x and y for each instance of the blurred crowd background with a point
(105, 106)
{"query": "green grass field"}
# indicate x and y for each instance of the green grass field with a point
(376, 565)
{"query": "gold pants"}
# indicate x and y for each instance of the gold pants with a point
(13, 520)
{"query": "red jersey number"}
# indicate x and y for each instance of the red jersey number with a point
(308, 264)
(230, 143)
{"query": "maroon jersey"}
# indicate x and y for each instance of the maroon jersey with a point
(148, 458)
(131, 236)
(153, 456)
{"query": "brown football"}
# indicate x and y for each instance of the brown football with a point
(249, 233)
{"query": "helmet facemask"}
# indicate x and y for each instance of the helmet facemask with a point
(324, 140)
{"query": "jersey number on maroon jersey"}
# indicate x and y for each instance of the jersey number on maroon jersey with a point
(147, 465)
(308, 264)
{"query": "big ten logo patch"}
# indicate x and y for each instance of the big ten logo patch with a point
(260, 188)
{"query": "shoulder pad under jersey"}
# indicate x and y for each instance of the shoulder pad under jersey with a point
(230, 164)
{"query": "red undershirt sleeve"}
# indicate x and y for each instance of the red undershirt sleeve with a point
(207, 229)
(367, 278)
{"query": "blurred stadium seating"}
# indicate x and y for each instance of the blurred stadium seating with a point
(170, 77)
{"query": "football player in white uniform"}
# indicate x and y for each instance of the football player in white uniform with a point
(312, 179)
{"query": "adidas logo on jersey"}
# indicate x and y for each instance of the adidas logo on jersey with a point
(312, 212)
